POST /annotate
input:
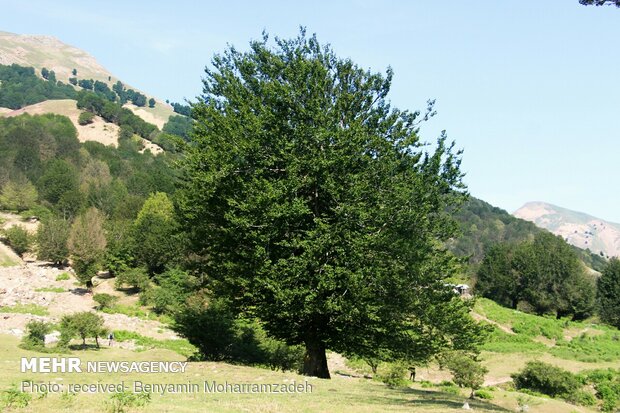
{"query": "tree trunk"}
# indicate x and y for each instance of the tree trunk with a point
(315, 360)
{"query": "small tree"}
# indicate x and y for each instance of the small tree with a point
(74, 72)
(608, 293)
(86, 244)
(19, 239)
(52, 241)
(45, 73)
(151, 103)
(466, 372)
(83, 325)
(134, 277)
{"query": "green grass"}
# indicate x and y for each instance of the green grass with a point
(33, 309)
(137, 311)
(50, 290)
(180, 346)
(63, 277)
(594, 344)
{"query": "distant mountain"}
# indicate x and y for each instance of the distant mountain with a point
(48, 52)
(482, 225)
(577, 228)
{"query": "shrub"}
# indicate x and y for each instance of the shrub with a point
(121, 401)
(105, 300)
(86, 118)
(19, 239)
(395, 376)
(546, 379)
(134, 277)
(483, 394)
(35, 334)
(15, 398)
(52, 241)
(581, 397)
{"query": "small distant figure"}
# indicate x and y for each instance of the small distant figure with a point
(110, 339)
(412, 373)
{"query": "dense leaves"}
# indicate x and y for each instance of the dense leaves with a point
(22, 87)
(315, 206)
(608, 289)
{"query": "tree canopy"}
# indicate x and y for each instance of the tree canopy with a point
(317, 208)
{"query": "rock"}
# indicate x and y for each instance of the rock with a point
(466, 406)
(52, 337)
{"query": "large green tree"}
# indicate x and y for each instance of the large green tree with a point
(608, 288)
(316, 207)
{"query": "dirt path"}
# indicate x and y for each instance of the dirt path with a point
(480, 317)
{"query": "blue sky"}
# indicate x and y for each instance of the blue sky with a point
(529, 89)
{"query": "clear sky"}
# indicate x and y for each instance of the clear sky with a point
(530, 89)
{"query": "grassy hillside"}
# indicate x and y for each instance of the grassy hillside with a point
(51, 53)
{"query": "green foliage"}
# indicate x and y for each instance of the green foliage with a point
(21, 87)
(18, 195)
(219, 336)
(181, 109)
(156, 243)
(466, 371)
(314, 205)
(608, 293)
(547, 379)
(87, 243)
(83, 325)
(544, 274)
(179, 346)
(87, 84)
(178, 125)
(151, 103)
(395, 376)
(134, 277)
(483, 394)
(15, 398)
(105, 300)
(120, 402)
(173, 288)
(35, 334)
(86, 118)
(52, 237)
(60, 178)
(18, 239)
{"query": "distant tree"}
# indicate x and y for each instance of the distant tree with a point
(83, 325)
(137, 278)
(151, 103)
(18, 239)
(87, 244)
(105, 300)
(155, 230)
(87, 84)
(466, 371)
(608, 293)
(52, 237)
(52, 76)
(86, 118)
(600, 2)
(73, 81)
(138, 99)
(45, 73)
(74, 72)
(59, 178)
(178, 125)
(18, 195)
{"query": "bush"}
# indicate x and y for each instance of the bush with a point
(52, 241)
(121, 401)
(105, 300)
(395, 376)
(546, 379)
(15, 398)
(581, 397)
(19, 239)
(35, 334)
(86, 118)
(483, 394)
(134, 277)
(84, 325)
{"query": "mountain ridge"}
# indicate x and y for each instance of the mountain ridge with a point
(577, 228)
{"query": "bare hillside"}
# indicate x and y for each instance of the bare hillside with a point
(579, 229)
